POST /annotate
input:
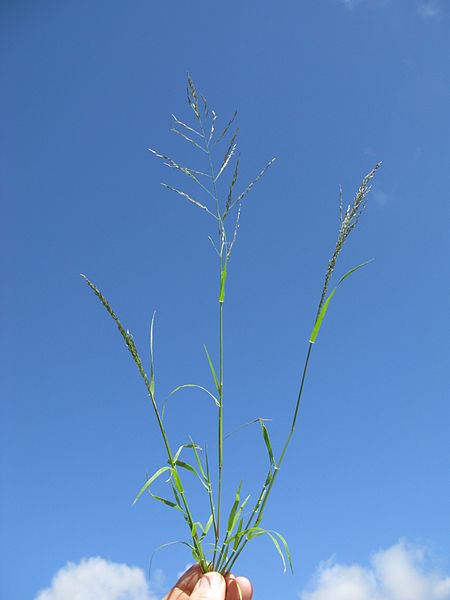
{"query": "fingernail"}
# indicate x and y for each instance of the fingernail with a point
(213, 581)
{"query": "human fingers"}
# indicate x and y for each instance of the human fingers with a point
(211, 586)
(238, 588)
(184, 586)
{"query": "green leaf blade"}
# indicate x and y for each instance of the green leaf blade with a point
(222, 283)
(212, 370)
(324, 308)
(150, 481)
(267, 442)
(152, 375)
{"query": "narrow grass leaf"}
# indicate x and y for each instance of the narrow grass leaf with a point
(189, 385)
(152, 376)
(277, 546)
(267, 442)
(159, 548)
(199, 462)
(166, 502)
(222, 283)
(233, 510)
(182, 447)
(151, 480)
(286, 549)
(177, 480)
(238, 513)
(238, 535)
(212, 370)
(259, 531)
(324, 308)
(207, 464)
(206, 528)
(184, 465)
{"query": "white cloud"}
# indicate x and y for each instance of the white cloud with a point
(97, 579)
(430, 8)
(398, 573)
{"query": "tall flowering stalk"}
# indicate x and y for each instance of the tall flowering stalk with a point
(227, 536)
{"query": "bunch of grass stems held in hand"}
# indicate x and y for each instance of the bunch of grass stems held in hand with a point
(230, 534)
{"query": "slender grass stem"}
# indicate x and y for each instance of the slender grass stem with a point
(150, 388)
(211, 501)
(172, 462)
(234, 557)
(220, 428)
(222, 245)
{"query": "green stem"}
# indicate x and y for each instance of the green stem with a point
(222, 244)
(211, 501)
(134, 353)
(234, 557)
(189, 518)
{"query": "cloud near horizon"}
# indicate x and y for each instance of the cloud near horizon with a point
(97, 579)
(398, 573)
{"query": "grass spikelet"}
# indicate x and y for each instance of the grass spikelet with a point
(213, 121)
(228, 125)
(228, 154)
(236, 228)
(249, 187)
(180, 193)
(188, 127)
(192, 97)
(230, 191)
(185, 137)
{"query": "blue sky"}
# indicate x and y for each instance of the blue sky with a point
(329, 88)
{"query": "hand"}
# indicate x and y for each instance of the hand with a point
(193, 585)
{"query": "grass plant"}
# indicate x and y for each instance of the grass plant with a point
(218, 540)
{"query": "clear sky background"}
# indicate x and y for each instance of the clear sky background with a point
(329, 87)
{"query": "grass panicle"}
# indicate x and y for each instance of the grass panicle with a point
(225, 535)
(347, 223)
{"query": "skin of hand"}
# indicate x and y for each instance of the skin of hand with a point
(193, 585)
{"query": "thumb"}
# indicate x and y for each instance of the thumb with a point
(209, 587)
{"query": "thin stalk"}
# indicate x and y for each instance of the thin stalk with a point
(132, 348)
(219, 499)
(233, 559)
(222, 244)
(223, 564)
(211, 501)
(189, 518)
